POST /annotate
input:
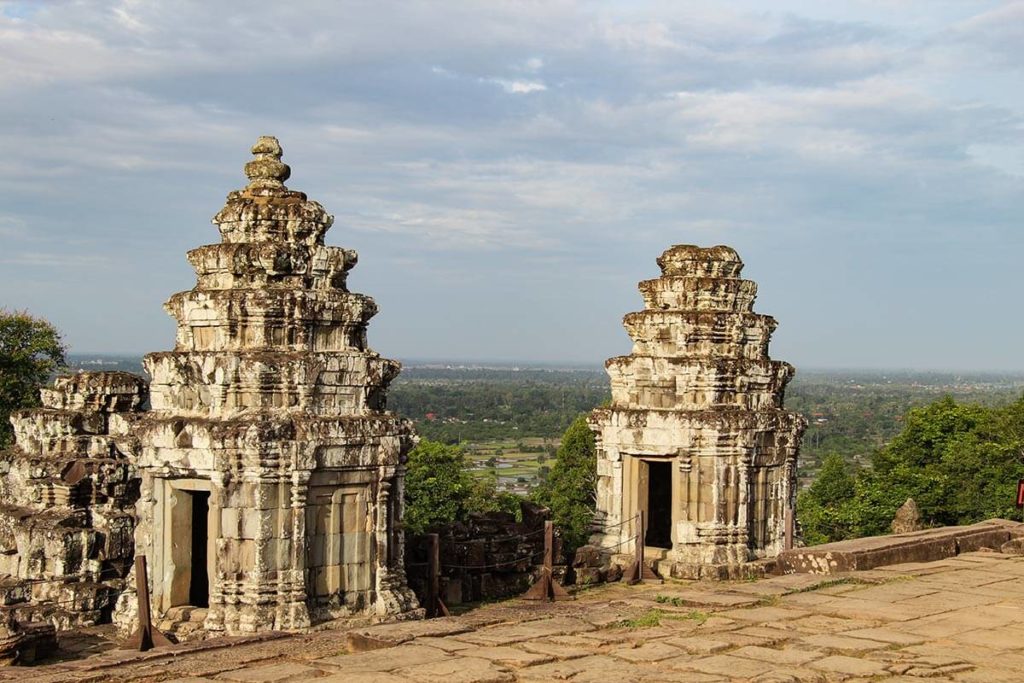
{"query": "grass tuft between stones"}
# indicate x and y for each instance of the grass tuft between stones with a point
(654, 617)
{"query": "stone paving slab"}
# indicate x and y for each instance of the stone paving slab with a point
(385, 660)
(889, 624)
(788, 656)
(389, 635)
(851, 666)
(885, 635)
(648, 652)
(285, 672)
(727, 665)
(458, 670)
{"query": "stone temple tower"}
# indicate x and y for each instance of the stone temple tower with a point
(272, 473)
(696, 438)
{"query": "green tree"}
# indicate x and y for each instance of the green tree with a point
(484, 496)
(31, 349)
(959, 462)
(824, 509)
(570, 488)
(941, 459)
(437, 486)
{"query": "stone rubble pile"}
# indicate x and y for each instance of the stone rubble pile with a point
(489, 556)
(69, 489)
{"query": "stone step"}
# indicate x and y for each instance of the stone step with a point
(186, 613)
(183, 623)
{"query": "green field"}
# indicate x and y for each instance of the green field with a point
(517, 464)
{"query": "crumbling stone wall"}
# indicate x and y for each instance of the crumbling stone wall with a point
(489, 556)
(696, 438)
(69, 488)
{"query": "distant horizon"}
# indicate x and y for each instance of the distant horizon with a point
(501, 363)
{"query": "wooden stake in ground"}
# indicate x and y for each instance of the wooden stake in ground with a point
(435, 605)
(639, 571)
(790, 528)
(546, 588)
(147, 637)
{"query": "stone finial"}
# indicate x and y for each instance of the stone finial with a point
(689, 259)
(267, 170)
(908, 518)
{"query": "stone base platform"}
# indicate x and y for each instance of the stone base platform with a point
(927, 545)
(703, 572)
(717, 572)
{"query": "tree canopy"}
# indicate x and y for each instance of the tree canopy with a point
(31, 349)
(960, 462)
(439, 489)
(570, 488)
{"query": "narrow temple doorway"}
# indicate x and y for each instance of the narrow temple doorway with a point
(199, 579)
(659, 505)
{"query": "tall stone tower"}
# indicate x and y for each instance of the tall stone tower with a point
(696, 438)
(272, 473)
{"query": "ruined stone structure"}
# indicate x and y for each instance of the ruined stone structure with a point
(696, 438)
(487, 556)
(68, 489)
(272, 477)
(907, 519)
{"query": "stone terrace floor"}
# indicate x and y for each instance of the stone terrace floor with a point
(960, 619)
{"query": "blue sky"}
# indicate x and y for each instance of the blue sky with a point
(508, 171)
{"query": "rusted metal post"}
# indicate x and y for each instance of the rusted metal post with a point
(789, 527)
(146, 637)
(435, 606)
(546, 588)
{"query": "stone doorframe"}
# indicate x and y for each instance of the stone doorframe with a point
(634, 489)
(171, 565)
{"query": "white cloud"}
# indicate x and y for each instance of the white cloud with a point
(517, 87)
(626, 126)
(533, 64)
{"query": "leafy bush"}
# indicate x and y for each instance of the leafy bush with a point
(31, 349)
(439, 489)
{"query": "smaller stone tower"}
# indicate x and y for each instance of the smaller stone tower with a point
(272, 472)
(696, 438)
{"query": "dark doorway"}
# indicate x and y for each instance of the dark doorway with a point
(199, 583)
(659, 505)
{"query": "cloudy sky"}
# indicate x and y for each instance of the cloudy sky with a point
(508, 170)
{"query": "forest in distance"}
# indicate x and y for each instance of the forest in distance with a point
(509, 418)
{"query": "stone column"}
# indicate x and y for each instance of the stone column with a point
(214, 622)
(295, 594)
